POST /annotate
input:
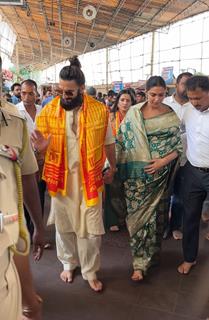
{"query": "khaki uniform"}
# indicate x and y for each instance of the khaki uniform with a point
(78, 227)
(11, 134)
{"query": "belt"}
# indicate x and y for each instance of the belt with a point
(7, 219)
(203, 169)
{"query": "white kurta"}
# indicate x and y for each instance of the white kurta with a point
(78, 227)
(70, 212)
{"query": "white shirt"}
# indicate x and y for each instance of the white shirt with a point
(197, 129)
(30, 123)
(179, 110)
(177, 107)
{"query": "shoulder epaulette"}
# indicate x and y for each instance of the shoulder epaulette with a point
(11, 109)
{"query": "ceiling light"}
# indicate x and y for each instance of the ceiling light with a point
(89, 12)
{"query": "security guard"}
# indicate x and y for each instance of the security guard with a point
(17, 168)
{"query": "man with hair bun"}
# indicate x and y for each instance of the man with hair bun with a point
(72, 131)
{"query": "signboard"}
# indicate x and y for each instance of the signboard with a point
(167, 74)
(117, 86)
(12, 2)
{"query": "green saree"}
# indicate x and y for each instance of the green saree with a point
(137, 142)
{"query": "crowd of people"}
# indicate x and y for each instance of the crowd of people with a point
(148, 150)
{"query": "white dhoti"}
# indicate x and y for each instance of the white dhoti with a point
(10, 292)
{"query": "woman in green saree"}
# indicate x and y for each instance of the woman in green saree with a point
(115, 204)
(148, 144)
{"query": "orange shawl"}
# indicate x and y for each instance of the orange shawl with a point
(93, 126)
(116, 119)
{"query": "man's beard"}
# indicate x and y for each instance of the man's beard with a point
(72, 104)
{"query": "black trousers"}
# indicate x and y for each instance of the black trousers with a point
(196, 187)
(177, 207)
(42, 190)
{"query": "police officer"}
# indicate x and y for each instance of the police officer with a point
(17, 169)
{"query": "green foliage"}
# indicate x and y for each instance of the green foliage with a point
(21, 74)
(24, 73)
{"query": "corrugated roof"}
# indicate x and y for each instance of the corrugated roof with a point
(50, 31)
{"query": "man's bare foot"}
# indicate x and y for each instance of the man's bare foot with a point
(177, 235)
(114, 228)
(137, 275)
(95, 285)
(67, 276)
(186, 267)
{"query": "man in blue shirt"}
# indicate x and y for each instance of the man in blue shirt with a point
(55, 92)
(15, 88)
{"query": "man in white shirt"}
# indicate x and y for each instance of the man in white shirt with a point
(27, 106)
(196, 170)
(179, 100)
(179, 103)
(29, 110)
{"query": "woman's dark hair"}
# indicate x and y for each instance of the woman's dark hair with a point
(132, 91)
(155, 81)
(195, 82)
(73, 72)
(125, 91)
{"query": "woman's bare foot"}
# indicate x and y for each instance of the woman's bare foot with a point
(95, 285)
(137, 275)
(66, 276)
(186, 267)
(177, 235)
(114, 228)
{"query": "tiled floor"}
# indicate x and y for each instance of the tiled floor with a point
(163, 295)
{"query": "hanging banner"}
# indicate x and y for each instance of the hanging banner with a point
(167, 74)
(117, 86)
